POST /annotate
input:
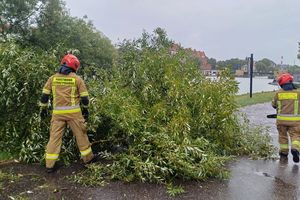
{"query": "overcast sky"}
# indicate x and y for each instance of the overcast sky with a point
(224, 29)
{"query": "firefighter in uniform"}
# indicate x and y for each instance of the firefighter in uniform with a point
(286, 102)
(68, 91)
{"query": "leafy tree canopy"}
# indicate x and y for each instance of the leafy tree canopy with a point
(233, 64)
(48, 25)
(17, 16)
(212, 62)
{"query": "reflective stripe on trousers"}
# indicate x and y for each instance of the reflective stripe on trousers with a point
(290, 117)
(296, 143)
(66, 109)
(86, 152)
(52, 156)
(284, 146)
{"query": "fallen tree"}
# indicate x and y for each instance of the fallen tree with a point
(166, 119)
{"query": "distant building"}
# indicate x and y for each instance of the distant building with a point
(243, 72)
(204, 66)
(240, 73)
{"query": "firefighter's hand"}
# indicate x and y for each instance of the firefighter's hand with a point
(85, 114)
(44, 114)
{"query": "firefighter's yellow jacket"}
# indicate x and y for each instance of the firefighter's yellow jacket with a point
(66, 92)
(287, 104)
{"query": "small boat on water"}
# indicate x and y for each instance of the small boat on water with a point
(274, 82)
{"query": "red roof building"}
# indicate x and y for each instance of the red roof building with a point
(204, 60)
(204, 65)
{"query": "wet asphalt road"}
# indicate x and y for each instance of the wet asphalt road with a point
(258, 179)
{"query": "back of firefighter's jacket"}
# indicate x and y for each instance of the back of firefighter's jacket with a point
(66, 91)
(287, 105)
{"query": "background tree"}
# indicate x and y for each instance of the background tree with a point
(294, 69)
(261, 67)
(265, 66)
(57, 28)
(17, 16)
(48, 25)
(234, 64)
(51, 25)
(213, 63)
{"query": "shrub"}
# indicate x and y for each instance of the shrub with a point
(23, 74)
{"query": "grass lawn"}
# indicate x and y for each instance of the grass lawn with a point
(245, 100)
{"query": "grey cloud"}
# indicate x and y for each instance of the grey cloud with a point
(222, 28)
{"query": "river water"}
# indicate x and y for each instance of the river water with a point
(259, 84)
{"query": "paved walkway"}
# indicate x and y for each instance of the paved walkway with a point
(257, 116)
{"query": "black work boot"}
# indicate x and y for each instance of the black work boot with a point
(54, 168)
(295, 154)
(50, 170)
(96, 158)
(283, 157)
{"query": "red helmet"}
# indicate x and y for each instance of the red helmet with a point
(285, 78)
(71, 61)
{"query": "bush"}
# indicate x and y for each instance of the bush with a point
(23, 74)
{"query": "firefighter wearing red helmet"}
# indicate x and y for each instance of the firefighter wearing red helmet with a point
(287, 103)
(68, 92)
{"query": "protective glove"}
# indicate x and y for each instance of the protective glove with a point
(44, 114)
(85, 113)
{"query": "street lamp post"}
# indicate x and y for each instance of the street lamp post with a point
(251, 73)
